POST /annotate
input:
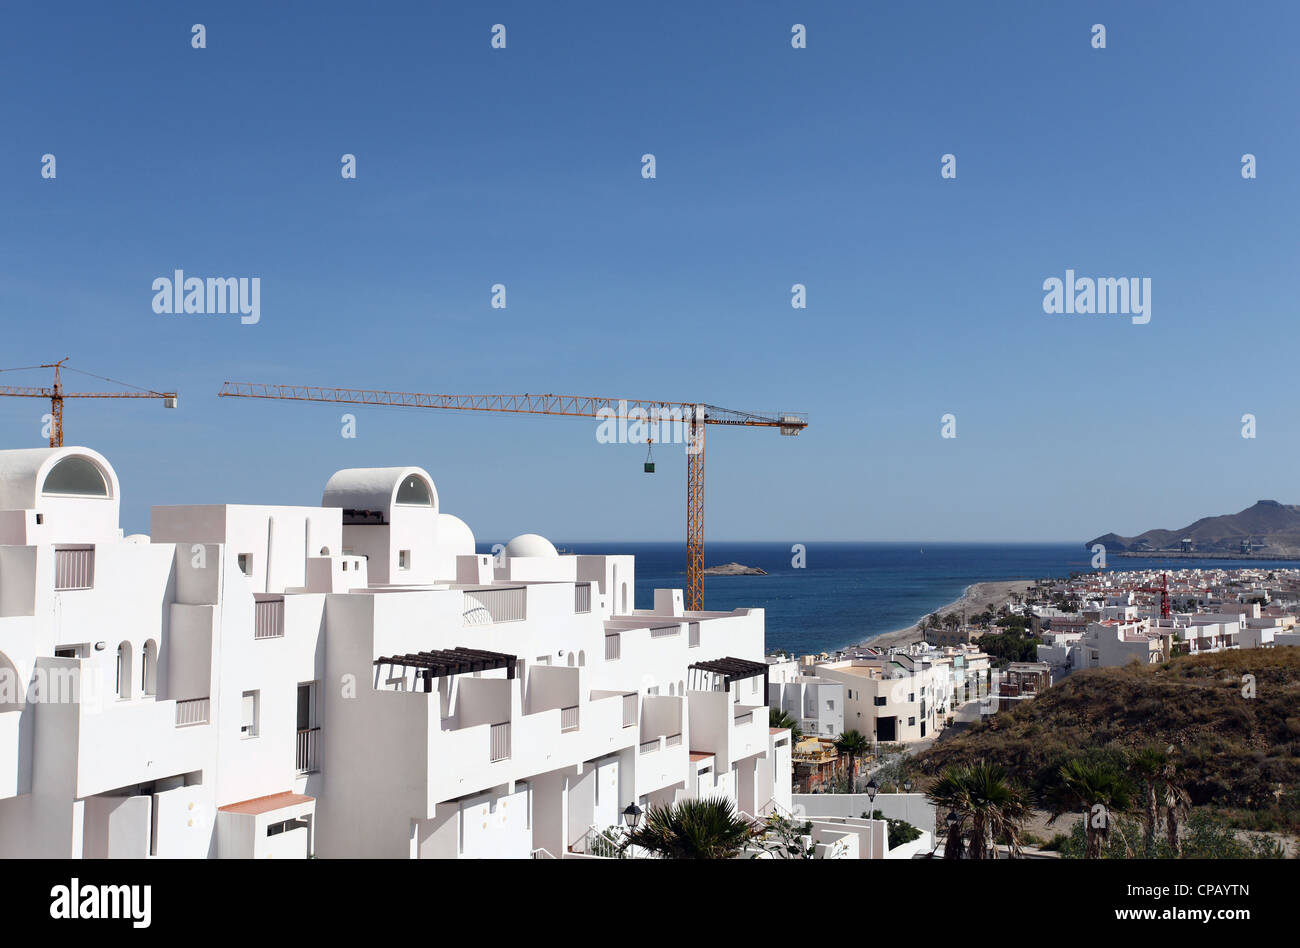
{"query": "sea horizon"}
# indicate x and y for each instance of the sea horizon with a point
(849, 592)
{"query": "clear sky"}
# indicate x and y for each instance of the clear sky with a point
(774, 166)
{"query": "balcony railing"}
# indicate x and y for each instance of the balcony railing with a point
(192, 711)
(649, 747)
(569, 719)
(613, 647)
(664, 631)
(694, 635)
(582, 598)
(500, 742)
(673, 740)
(306, 759)
(268, 619)
(502, 605)
(74, 569)
(629, 710)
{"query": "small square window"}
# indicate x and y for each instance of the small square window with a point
(403, 559)
(248, 715)
(40, 518)
(246, 563)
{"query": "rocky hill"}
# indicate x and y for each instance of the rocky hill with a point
(1236, 751)
(1270, 529)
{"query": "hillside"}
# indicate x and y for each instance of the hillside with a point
(1272, 528)
(1236, 751)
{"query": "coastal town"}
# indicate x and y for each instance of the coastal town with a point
(356, 678)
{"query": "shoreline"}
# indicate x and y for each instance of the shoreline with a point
(975, 598)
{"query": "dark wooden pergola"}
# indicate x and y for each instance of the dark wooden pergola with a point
(441, 663)
(734, 669)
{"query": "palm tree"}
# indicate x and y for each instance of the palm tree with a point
(693, 829)
(951, 793)
(1177, 802)
(982, 796)
(1148, 766)
(1100, 790)
(779, 718)
(852, 745)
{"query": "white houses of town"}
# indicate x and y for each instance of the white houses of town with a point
(350, 679)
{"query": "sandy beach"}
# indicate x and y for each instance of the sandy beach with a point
(978, 597)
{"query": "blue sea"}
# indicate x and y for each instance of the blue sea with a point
(849, 592)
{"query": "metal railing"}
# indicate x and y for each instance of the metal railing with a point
(503, 605)
(629, 710)
(268, 617)
(569, 719)
(582, 597)
(649, 747)
(306, 759)
(500, 745)
(192, 711)
(542, 853)
(694, 636)
(664, 631)
(613, 647)
(74, 569)
(673, 740)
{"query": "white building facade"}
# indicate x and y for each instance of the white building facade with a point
(346, 680)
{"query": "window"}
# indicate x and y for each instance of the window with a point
(830, 704)
(246, 563)
(911, 696)
(881, 702)
(248, 715)
(149, 669)
(911, 722)
(74, 475)
(72, 651)
(124, 670)
(306, 705)
(403, 559)
(40, 518)
(414, 492)
(275, 829)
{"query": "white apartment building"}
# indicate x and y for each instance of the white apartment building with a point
(816, 703)
(889, 699)
(347, 680)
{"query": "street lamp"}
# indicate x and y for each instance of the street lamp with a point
(632, 816)
(872, 789)
(952, 819)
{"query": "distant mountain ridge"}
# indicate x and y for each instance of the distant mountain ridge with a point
(1264, 528)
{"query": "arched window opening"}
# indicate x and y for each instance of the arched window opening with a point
(414, 492)
(149, 669)
(77, 476)
(124, 670)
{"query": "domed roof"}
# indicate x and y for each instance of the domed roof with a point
(530, 544)
(454, 535)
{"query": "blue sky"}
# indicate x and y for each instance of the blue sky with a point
(775, 166)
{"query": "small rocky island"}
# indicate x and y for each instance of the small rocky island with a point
(734, 569)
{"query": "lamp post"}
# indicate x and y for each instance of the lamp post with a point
(872, 789)
(631, 817)
(907, 804)
(952, 820)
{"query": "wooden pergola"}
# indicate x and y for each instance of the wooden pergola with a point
(441, 663)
